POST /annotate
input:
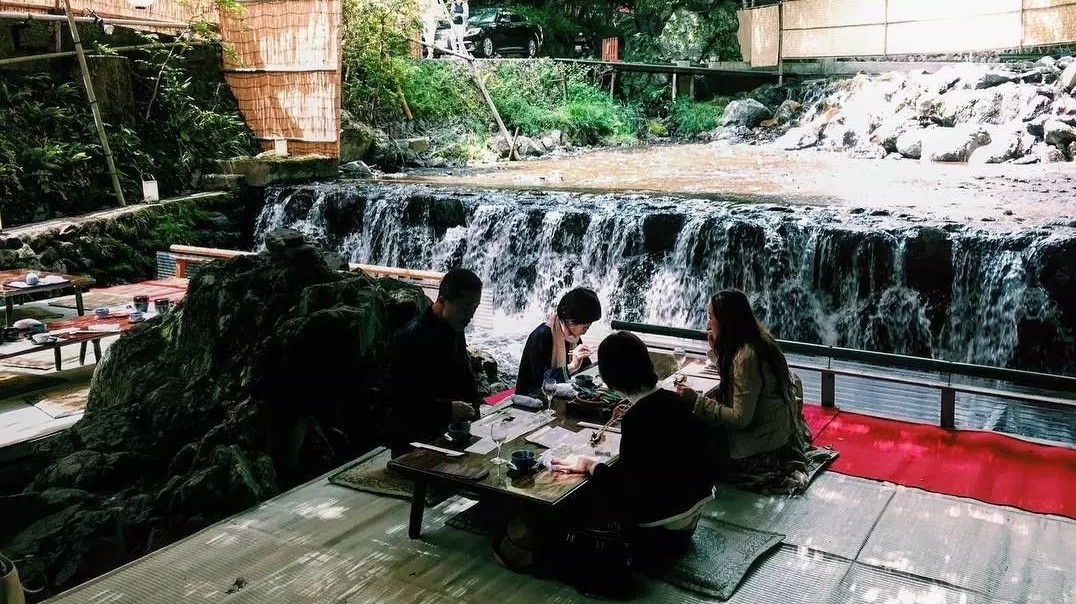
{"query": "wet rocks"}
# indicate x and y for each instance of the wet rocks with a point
(747, 113)
(939, 110)
(952, 144)
(265, 376)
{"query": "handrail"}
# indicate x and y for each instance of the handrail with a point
(1016, 376)
(391, 271)
(947, 390)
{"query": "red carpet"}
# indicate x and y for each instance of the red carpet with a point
(986, 466)
(497, 397)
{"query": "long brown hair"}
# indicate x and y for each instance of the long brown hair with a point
(738, 327)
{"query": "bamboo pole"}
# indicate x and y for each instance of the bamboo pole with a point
(71, 53)
(121, 21)
(116, 187)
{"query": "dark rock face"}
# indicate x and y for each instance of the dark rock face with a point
(264, 377)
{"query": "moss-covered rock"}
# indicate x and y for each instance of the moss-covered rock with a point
(264, 377)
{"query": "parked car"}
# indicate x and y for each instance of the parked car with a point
(494, 31)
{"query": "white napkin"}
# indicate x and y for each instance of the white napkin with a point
(527, 402)
(565, 391)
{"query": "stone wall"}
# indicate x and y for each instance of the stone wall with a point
(117, 246)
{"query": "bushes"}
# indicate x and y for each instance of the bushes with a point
(538, 96)
(690, 118)
(51, 160)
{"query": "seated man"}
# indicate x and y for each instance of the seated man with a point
(430, 379)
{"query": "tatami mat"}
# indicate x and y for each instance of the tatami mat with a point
(325, 543)
(871, 585)
(1004, 552)
(835, 515)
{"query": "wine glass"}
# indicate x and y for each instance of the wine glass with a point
(549, 388)
(680, 356)
(498, 431)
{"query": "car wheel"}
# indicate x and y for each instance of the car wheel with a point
(532, 48)
(487, 47)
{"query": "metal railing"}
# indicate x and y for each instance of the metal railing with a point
(947, 389)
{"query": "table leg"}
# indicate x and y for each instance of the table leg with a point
(418, 506)
(82, 353)
(10, 310)
(57, 356)
(97, 350)
(79, 308)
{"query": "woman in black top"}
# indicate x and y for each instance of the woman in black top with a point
(656, 476)
(554, 347)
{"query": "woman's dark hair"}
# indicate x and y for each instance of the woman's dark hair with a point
(738, 327)
(624, 363)
(580, 305)
(457, 282)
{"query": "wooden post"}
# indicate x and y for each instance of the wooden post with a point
(675, 84)
(829, 389)
(691, 86)
(612, 85)
(86, 81)
(948, 408)
(780, 43)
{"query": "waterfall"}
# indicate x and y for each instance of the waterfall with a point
(814, 274)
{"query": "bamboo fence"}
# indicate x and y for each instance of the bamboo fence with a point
(807, 29)
(285, 72)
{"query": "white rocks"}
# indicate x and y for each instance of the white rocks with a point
(910, 144)
(797, 138)
(1067, 79)
(952, 144)
(1056, 132)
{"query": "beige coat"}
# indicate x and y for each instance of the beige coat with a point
(759, 418)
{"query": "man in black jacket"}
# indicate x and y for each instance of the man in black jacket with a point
(431, 383)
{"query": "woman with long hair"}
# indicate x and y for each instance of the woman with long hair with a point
(756, 422)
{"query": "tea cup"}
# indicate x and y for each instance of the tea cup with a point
(523, 460)
(101, 312)
(32, 279)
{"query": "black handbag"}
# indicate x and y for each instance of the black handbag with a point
(598, 563)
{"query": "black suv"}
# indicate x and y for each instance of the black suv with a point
(493, 31)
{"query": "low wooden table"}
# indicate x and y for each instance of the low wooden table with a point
(542, 488)
(11, 295)
(82, 334)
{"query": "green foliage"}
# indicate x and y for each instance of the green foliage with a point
(690, 118)
(194, 121)
(538, 96)
(444, 92)
(51, 159)
(376, 46)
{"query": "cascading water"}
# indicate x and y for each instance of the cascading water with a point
(814, 274)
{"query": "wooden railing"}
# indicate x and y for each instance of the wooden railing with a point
(190, 254)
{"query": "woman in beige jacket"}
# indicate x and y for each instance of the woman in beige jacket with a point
(756, 420)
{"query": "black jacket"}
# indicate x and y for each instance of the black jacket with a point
(428, 369)
(659, 473)
(537, 359)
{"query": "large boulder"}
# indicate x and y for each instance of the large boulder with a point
(1067, 79)
(952, 144)
(1056, 132)
(265, 376)
(910, 144)
(745, 112)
